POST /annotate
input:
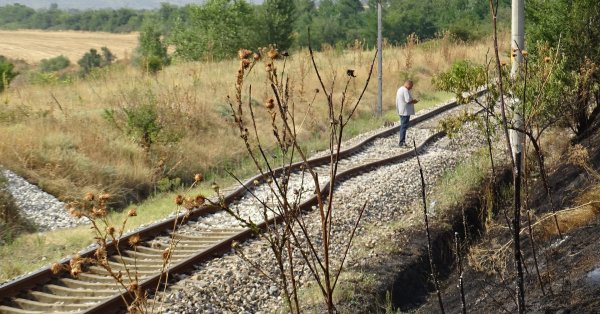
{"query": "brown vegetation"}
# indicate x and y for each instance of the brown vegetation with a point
(35, 45)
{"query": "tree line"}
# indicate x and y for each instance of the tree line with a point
(219, 27)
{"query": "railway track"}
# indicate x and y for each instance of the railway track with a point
(207, 234)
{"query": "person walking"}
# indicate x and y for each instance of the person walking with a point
(405, 104)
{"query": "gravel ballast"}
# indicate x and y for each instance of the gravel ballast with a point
(45, 211)
(230, 284)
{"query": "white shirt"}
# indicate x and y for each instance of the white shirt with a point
(403, 99)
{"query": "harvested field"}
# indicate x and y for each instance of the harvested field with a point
(35, 45)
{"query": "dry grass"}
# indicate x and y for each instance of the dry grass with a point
(587, 207)
(55, 135)
(35, 45)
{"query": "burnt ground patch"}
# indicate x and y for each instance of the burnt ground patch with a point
(569, 267)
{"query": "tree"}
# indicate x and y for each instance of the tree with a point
(572, 26)
(152, 50)
(279, 22)
(6, 73)
(305, 11)
(216, 30)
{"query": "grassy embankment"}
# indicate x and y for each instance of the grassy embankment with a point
(56, 136)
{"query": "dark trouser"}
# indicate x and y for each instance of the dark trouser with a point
(403, 127)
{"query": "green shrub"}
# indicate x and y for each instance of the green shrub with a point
(144, 123)
(93, 59)
(6, 73)
(54, 64)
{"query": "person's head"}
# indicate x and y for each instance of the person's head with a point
(408, 84)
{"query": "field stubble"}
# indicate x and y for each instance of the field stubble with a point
(35, 45)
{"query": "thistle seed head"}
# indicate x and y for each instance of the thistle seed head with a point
(270, 104)
(133, 286)
(89, 196)
(244, 53)
(245, 63)
(200, 199)
(75, 213)
(103, 197)
(132, 212)
(56, 268)
(273, 53)
(179, 200)
(134, 240)
(110, 230)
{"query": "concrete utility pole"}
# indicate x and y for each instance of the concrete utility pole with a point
(517, 38)
(379, 61)
(516, 139)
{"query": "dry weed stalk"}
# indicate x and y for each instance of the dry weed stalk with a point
(427, 232)
(108, 241)
(285, 227)
(412, 41)
(460, 273)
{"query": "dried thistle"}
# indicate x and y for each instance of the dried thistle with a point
(132, 212)
(200, 199)
(245, 63)
(56, 268)
(525, 53)
(198, 178)
(215, 187)
(103, 197)
(99, 212)
(244, 53)
(273, 53)
(134, 240)
(89, 196)
(256, 56)
(235, 244)
(179, 200)
(133, 286)
(75, 264)
(75, 213)
(110, 230)
(101, 252)
(270, 104)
